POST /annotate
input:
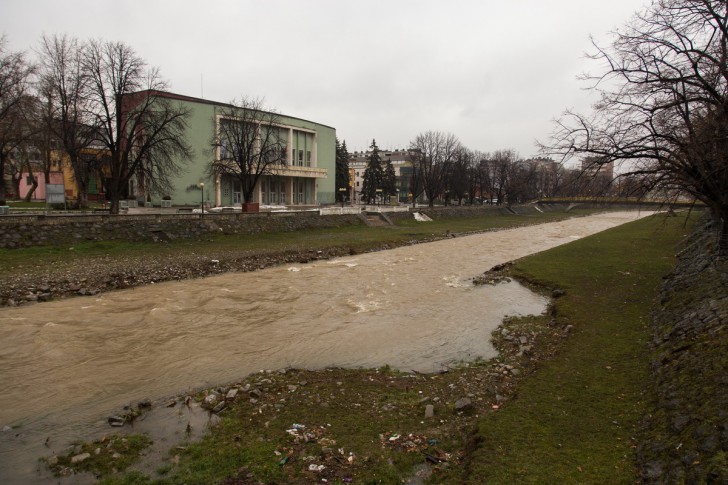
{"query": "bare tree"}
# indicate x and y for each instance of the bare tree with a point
(485, 177)
(502, 173)
(663, 111)
(416, 185)
(458, 175)
(250, 144)
(141, 128)
(15, 76)
(68, 115)
(30, 154)
(433, 153)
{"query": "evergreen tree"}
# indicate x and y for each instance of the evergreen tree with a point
(389, 182)
(342, 169)
(373, 174)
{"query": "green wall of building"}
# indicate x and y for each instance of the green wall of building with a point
(200, 133)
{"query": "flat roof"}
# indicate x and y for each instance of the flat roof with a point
(193, 99)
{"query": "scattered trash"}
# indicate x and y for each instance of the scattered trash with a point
(116, 421)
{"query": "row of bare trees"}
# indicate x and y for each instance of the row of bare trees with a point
(78, 95)
(444, 169)
(15, 86)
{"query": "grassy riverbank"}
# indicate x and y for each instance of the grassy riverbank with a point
(576, 421)
(560, 404)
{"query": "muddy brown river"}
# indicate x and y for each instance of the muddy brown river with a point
(65, 365)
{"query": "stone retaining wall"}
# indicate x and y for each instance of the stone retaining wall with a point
(39, 230)
(686, 436)
(18, 231)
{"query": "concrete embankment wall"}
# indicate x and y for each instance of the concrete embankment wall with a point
(686, 436)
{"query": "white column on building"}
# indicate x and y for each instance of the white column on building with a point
(314, 162)
(289, 190)
(218, 191)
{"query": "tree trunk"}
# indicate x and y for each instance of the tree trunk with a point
(15, 179)
(82, 199)
(83, 194)
(2, 180)
(113, 198)
(29, 195)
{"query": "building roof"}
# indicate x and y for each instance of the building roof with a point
(192, 99)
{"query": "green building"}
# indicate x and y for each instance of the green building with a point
(306, 179)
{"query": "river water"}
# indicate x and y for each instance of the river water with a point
(67, 364)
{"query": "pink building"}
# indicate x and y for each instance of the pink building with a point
(26, 182)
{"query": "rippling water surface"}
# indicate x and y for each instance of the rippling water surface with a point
(66, 364)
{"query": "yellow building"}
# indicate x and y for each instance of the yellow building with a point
(95, 160)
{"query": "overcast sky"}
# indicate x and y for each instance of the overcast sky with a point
(492, 72)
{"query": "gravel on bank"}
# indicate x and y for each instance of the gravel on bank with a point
(106, 273)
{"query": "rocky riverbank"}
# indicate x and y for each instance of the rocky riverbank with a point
(302, 420)
(106, 273)
(686, 437)
(103, 274)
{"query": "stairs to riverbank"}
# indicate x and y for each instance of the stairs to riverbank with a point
(375, 219)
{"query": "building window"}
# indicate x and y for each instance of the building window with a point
(300, 158)
(223, 150)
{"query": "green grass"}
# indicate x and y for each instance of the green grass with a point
(105, 456)
(574, 421)
(20, 205)
(350, 415)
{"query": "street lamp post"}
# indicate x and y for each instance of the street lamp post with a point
(202, 199)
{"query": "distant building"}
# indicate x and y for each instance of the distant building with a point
(593, 166)
(401, 161)
(546, 174)
(61, 174)
(307, 178)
